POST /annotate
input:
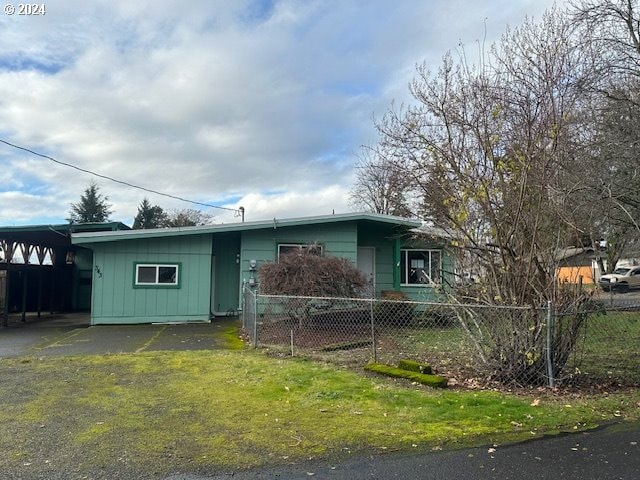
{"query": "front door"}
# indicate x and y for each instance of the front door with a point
(367, 264)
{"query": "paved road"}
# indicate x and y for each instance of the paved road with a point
(620, 300)
(607, 453)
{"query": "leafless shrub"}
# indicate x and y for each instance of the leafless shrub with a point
(306, 273)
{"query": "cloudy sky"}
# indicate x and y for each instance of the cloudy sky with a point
(259, 103)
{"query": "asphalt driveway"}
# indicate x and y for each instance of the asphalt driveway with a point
(70, 335)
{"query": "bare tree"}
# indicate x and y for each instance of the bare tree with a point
(487, 145)
(610, 168)
(187, 217)
(382, 185)
(610, 35)
(611, 28)
(484, 145)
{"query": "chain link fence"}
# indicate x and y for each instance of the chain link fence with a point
(472, 345)
(607, 351)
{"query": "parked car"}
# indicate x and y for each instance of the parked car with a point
(622, 279)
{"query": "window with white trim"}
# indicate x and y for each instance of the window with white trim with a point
(149, 274)
(420, 267)
(297, 248)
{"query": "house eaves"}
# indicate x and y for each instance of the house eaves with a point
(275, 223)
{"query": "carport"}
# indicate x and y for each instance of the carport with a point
(40, 270)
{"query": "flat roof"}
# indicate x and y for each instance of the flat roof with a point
(54, 234)
(79, 238)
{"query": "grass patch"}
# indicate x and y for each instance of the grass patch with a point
(182, 411)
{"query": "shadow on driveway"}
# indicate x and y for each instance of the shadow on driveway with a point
(71, 335)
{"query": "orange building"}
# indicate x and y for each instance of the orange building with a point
(577, 265)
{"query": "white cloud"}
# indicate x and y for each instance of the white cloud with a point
(214, 99)
(325, 201)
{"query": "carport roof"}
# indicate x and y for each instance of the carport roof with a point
(97, 237)
(54, 235)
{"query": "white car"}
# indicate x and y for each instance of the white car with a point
(622, 279)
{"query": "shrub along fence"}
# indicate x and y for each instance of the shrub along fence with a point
(474, 345)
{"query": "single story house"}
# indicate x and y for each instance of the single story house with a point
(192, 274)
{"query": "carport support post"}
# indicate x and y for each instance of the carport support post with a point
(39, 291)
(552, 380)
(5, 313)
(24, 296)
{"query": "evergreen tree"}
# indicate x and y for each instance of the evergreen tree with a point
(150, 216)
(92, 207)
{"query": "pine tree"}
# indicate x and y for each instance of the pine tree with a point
(149, 216)
(92, 207)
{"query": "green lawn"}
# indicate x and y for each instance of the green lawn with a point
(182, 411)
(610, 347)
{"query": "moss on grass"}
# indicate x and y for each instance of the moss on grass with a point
(232, 340)
(435, 381)
(413, 366)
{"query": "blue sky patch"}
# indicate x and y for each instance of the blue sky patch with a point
(18, 64)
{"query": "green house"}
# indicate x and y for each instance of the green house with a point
(193, 274)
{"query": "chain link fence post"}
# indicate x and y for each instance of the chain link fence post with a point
(550, 319)
(244, 307)
(255, 320)
(373, 332)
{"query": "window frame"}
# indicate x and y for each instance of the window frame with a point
(157, 266)
(300, 246)
(404, 257)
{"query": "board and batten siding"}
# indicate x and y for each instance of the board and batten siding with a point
(116, 300)
(380, 237)
(383, 238)
(337, 239)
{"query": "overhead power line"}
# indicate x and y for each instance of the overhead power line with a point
(239, 211)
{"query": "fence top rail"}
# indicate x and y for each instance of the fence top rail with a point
(412, 302)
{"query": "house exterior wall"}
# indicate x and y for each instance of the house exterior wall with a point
(343, 240)
(576, 274)
(382, 239)
(339, 240)
(115, 300)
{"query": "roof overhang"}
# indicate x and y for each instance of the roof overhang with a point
(53, 235)
(275, 223)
